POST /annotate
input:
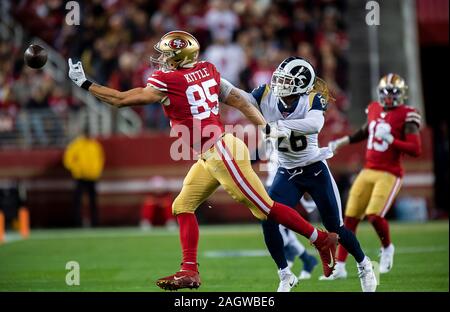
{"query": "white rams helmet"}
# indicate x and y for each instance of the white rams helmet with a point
(294, 75)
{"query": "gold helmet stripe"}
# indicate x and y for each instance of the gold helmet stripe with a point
(389, 79)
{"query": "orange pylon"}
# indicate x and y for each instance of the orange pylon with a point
(2, 227)
(24, 222)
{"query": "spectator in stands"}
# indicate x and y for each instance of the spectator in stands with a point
(157, 205)
(221, 21)
(229, 58)
(84, 158)
(8, 107)
(305, 50)
(164, 19)
(245, 39)
(40, 124)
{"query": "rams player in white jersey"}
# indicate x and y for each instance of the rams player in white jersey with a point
(294, 106)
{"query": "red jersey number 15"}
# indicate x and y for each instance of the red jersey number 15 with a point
(374, 143)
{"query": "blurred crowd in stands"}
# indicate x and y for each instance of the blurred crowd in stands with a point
(245, 39)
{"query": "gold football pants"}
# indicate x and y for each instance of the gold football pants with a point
(373, 192)
(227, 163)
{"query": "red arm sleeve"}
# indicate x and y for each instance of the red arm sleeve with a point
(412, 146)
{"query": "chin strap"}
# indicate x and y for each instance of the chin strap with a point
(283, 102)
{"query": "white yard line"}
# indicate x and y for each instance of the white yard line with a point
(237, 253)
(229, 230)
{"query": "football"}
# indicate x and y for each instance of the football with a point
(35, 56)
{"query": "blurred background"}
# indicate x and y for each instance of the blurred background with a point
(46, 121)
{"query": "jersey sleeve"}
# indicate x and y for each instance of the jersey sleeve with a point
(371, 107)
(259, 92)
(158, 81)
(311, 124)
(317, 102)
(413, 116)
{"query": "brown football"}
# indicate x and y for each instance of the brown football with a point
(35, 56)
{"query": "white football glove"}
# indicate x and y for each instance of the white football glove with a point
(273, 130)
(76, 72)
(383, 132)
(335, 144)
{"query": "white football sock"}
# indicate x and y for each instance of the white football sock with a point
(364, 262)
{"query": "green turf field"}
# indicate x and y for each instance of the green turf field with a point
(232, 258)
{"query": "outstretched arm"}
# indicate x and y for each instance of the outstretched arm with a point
(137, 96)
(238, 101)
(360, 135)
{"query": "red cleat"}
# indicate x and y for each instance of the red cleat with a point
(326, 245)
(181, 279)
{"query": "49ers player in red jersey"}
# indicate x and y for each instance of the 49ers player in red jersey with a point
(391, 130)
(189, 91)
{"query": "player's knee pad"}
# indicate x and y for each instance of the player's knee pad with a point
(180, 205)
(256, 211)
(259, 214)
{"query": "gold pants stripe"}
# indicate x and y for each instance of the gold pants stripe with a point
(239, 179)
(394, 191)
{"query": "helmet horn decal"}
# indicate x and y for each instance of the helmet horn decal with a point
(293, 76)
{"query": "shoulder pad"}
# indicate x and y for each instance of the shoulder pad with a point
(371, 106)
(317, 101)
(259, 92)
(413, 116)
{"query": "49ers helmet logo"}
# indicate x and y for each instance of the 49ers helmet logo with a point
(177, 43)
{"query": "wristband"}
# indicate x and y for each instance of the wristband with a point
(85, 85)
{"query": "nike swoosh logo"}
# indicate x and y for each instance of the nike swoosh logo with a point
(332, 260)
(178, 278)
(317, 173)
(291, 284)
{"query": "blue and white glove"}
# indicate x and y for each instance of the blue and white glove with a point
(383, 132)
(273, 130)
(76, 73)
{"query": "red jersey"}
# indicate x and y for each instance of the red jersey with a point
(379, 154)
(192, 101)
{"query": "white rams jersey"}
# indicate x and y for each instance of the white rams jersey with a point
(301, 148)
(272, 160)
